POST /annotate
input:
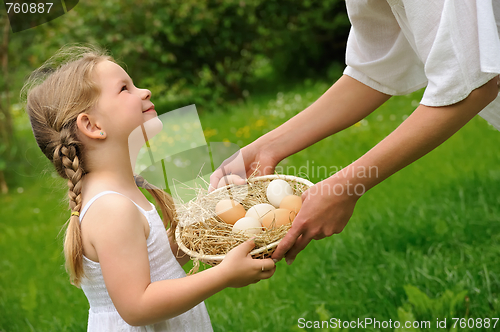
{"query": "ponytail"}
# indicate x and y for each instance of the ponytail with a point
(164, 200)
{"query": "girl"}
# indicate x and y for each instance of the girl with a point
(82, 112)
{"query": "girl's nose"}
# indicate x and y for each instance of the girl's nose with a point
(146, 94)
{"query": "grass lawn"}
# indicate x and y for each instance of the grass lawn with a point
(424, 245)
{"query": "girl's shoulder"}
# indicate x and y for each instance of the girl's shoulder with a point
(109, 206)
(110, 214)
(102, 202)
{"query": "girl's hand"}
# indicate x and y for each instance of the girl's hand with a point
(240, 269)
(326, 208)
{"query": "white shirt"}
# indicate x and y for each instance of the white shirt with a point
(450, 46)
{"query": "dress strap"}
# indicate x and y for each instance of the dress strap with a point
(93, 199)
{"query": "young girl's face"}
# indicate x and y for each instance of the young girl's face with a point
(122, 107)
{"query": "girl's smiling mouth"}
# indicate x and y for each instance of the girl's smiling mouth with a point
(152, 108)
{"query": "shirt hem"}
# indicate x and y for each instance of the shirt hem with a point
(478, 83)
(366, 80)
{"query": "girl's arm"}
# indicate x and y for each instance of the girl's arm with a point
(117, 232)
(329, 204)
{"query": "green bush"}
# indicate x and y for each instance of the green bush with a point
(194, 51)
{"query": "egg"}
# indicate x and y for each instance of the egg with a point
(291, 202)
(229, 211)
(259, 210)
(230, 179)
(277, 190)
(247, 225)
(277, 218)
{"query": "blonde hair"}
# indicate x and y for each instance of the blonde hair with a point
(56, 93)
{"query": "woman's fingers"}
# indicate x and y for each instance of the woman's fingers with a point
(298, 246)
(287, 242)
(214, 179)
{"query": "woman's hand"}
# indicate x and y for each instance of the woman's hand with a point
(326, 208)
(244, 163)
(241, 269)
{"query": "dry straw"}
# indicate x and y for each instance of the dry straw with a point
(206, 238)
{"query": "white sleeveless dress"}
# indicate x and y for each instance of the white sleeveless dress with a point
(103, 316)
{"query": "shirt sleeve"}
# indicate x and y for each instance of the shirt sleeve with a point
(399, 46)
(378, 53)
(446, 37)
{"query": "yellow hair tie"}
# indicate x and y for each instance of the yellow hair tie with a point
(75, 213)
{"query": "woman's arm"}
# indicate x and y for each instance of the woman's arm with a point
(329, 204)
(345, 103)
(424, 130)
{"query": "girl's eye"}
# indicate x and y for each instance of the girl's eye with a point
(123, 88)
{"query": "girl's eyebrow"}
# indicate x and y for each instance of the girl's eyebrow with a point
(122, 81)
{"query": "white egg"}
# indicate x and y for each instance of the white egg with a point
(259, 210)
(277, 190)
(248, 225)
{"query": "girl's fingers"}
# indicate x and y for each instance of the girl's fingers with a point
(266, 264)
(267, 274)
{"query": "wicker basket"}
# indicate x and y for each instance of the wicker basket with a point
(299, 185)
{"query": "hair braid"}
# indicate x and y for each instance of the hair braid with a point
(66, 158)
(55, 94)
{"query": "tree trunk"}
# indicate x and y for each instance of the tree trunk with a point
(5, 74)
(3, 185)
(6, 126)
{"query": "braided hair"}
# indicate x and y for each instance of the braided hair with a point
(55, 94)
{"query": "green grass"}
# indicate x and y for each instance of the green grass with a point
(424, 244)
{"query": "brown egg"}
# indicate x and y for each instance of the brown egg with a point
(276, 218)
(229, 211)
(291, 202)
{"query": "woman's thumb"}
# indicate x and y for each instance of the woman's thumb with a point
(304, 195)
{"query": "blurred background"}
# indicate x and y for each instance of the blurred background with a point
(208, 53)
(423, 245)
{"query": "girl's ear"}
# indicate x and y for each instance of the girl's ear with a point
(89, 127)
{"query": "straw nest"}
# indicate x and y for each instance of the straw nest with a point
(206, 238)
